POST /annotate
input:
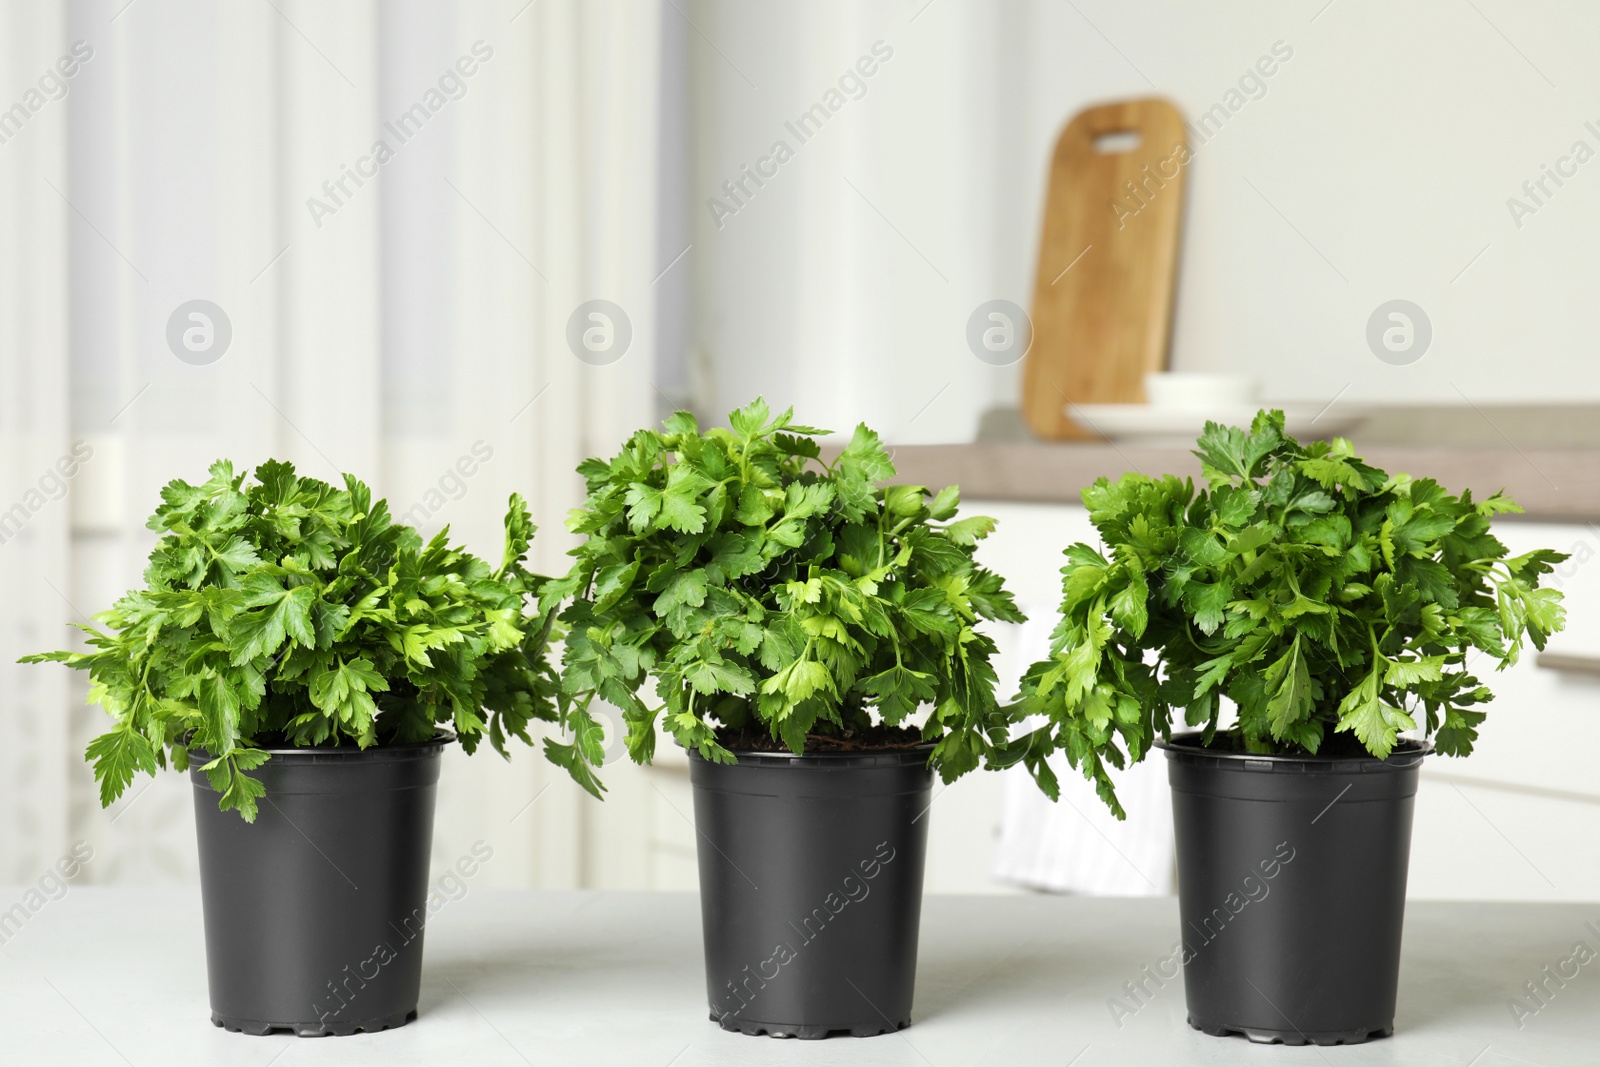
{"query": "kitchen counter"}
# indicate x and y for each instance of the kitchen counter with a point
(1552, 484)
(117, 976)
(1547, 457)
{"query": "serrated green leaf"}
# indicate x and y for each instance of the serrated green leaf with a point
(713, 676)
(1375, 722)
(970, 530)
(1288, 683)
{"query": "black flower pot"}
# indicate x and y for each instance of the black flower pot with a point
(314, 913)
(811, 889)
(1291, 889)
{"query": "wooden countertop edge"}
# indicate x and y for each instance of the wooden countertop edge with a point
(1551, 484)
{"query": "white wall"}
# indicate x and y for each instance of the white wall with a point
(1376, 165)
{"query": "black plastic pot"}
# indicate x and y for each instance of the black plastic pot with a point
(314, 913)
(811, 889)
(1291, 889)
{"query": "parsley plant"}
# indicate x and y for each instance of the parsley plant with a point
(1319, 594)
(291, 611)
(765, 589)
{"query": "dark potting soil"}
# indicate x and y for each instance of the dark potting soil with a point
(1334, 746)
(875, 738)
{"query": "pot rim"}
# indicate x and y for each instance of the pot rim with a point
(1408, 752)
(917, 753)
(400, 750)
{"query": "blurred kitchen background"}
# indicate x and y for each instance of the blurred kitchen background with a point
(405, 313)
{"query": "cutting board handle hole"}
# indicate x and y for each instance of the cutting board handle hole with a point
(1115, 141)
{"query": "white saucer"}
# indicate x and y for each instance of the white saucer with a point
(1143, 424)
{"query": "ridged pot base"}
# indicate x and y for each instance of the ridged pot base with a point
(751, 1028)
(258, 1028)
(1293, 1037)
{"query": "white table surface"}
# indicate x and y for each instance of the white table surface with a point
(117, 976)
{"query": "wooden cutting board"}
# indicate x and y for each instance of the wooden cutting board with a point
(1102, 304)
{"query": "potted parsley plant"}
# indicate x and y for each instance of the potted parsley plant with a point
(306, 660)
(1334, 607)
(794, 616)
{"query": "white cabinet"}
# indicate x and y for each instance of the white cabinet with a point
(1515, 819)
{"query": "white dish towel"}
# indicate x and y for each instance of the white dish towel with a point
(1076, 845)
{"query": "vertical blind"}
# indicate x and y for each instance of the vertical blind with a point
(391, 212)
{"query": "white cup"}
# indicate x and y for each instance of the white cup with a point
(1196, 391)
